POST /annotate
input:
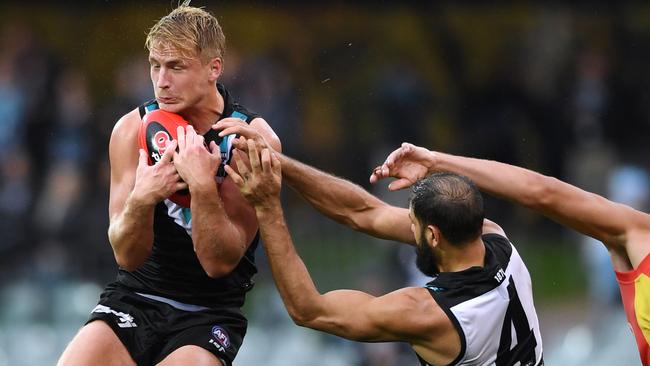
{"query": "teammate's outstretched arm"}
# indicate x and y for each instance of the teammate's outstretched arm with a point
(349, 314)
(619, 227)
(337, 198)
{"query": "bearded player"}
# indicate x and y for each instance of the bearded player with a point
(183, 271)
(624, 231)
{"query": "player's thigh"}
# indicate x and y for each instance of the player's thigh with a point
(95, 344)
(191, 355)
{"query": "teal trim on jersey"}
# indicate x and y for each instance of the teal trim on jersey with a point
(151, 107)
(434, 288)
(239, 115)
(187, 215)
(225, 144)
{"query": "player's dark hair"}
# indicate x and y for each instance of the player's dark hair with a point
(452, 203)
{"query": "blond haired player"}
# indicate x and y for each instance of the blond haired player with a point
(183, 272)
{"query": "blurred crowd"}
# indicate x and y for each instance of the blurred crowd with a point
(560, 89)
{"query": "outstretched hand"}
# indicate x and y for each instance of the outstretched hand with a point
(408, 164)
(260, 184)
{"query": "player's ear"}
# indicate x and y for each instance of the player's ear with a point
(215, 68)
(433, 235)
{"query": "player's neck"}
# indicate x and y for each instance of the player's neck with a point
(455, 259)
(206, 112)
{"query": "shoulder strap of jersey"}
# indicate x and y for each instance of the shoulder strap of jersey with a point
(242, 116)
(147, 107)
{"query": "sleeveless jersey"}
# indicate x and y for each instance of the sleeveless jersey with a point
(492, 309)
(173, 270)
(635, 292)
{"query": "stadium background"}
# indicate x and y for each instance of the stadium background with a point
(562, 89)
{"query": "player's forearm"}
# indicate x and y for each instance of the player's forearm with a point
(568, 205)
(218, 243)
(131, 234)
(298, 292)
(510, 182)
(336, 198)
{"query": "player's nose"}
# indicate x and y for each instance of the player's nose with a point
(162, 79)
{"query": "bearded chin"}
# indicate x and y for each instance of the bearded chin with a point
(425, 259)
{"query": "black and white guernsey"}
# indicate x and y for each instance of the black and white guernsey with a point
(492, 309)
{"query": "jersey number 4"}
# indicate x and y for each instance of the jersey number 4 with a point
(524, 349)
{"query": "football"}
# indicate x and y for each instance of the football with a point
(157, 129)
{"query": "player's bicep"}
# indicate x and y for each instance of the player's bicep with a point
(592, 214)
(359, 316)
(392, 223)
(123, 158)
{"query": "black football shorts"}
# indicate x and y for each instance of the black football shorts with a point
(152, 327)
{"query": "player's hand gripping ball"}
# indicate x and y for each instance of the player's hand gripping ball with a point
(158, 128)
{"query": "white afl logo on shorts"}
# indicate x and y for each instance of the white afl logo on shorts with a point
(221, 336)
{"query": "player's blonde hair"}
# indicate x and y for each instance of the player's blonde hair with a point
(190, 30)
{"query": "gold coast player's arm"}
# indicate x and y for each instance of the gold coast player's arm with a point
(130, 231)
(618, 226)
(224, 224)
